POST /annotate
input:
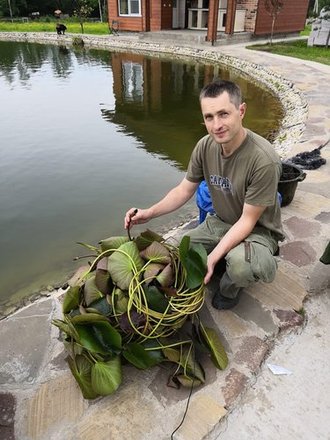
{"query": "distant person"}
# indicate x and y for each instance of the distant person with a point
(242, 171)
(60, 28)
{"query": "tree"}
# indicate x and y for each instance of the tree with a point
(82, 10)
(10, 10)
(273, 7)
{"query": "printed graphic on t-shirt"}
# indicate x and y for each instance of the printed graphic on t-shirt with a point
(221, 183)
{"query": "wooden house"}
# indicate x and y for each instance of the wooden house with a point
(213, 16)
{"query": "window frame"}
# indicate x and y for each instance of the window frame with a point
(130, 14)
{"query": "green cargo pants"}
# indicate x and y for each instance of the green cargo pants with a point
(250, 261)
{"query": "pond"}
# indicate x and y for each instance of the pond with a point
(86, 134)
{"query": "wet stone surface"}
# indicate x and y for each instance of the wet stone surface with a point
(302, 228)
(7, 416)
(288, 318)
(300, 253)
(235, 384)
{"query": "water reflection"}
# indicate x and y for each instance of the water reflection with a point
(157, 101)
(83, 132)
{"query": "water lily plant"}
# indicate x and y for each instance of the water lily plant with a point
(131, 306)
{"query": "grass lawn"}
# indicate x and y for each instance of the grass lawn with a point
(296, 49)
(43, 26)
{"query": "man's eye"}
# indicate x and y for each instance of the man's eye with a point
(224, 114)
(208, 118)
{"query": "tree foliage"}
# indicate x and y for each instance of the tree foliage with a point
(83, 9)
(23, 8)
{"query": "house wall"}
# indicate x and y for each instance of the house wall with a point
(137, 24)
(251, 7)
(292, 18)
(155, 15)
(257, 20)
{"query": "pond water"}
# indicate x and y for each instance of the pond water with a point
(86, 134)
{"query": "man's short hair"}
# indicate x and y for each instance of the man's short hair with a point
(217, 87)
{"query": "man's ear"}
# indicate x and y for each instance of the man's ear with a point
(242, 109)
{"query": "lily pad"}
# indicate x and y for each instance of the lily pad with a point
(124, 263)
(103, 281)
(193, 258)
(137, 319)
(99, 337)
(157, 253)
(91, 292)
(151, 271)
(213, 343)
(156, 300)
(141, 358)
(166, 277)
(100, 306)
(120, 299)
(172, 354)
(191, 366)
(71, 299)
(106, 376)
(188, 381)
(146, 238)
(113, 242)
(81, 369)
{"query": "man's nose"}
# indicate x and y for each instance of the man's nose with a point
(217, 122)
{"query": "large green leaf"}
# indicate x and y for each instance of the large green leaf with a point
(66, 326)
(103, 281)
(120, 301)
(166, 277)
(81, 370)
(146, 238)
(113, 242)
(88, 318)
(213, 343)
(156, 300)
(63, 326)
(106, 376)
(188, 381)
(151, 271)
(157, 253)
(172, 354)
(191, 366)
(100, 306)
(91, 292)
(141, 358)
(184, 247)
(71, 299)
(193, 258)
(123, 264)
(99, 337)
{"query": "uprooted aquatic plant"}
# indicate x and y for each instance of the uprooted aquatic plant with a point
(131, 306)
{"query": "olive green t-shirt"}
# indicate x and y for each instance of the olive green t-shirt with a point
(250, 175)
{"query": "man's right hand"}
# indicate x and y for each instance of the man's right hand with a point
(136, 216)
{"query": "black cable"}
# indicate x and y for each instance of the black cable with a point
(186, 410)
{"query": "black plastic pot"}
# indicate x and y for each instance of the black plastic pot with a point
(289, 179)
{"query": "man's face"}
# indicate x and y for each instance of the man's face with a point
(222, 119)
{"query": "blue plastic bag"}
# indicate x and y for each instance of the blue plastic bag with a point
(204, 201)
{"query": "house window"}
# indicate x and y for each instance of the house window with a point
(129, 7)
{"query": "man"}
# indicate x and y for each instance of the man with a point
(242, 171)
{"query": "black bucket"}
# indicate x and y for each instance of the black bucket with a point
(289, 179)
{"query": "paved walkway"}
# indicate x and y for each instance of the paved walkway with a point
(39, 398)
